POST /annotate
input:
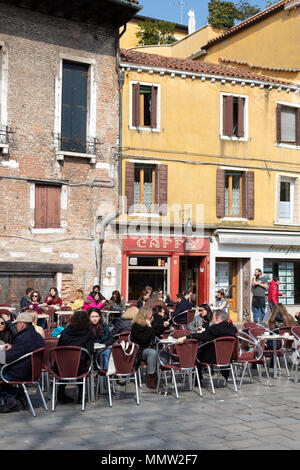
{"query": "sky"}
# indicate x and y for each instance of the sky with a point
(171, 10)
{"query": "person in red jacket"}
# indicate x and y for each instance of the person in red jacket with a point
(273, 293)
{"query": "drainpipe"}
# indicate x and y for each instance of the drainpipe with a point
(108, 219)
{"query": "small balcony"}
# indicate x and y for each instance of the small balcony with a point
(76, 146)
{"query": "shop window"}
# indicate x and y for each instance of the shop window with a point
(144, 106)
(235, 194)
(234, 116)
(289, 275)
(146, 188)
(288, 124)
(47, 206)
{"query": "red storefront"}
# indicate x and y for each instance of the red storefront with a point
(172, 264)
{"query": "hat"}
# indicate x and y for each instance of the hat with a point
(25, 317)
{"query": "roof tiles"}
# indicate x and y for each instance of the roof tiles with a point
(130, 56)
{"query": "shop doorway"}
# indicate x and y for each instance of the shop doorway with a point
(226, 279)
(147, 270)
(189, 276)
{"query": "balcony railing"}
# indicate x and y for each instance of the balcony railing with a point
(77, 144)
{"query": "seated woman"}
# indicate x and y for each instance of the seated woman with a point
(38, 307)
(78, 302)
(160, 323)
(77, 333)
(53, 298)
(8, 331)
(116, 302)
(280, 317)
(124, 322)
(143, 334)
(201, 321)
(94, 301)
(101, 332)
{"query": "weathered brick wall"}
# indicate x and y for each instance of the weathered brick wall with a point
(35, 44)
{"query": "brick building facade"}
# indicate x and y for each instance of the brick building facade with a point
(58, 181)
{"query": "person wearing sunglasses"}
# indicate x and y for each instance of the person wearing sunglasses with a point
(38, 307)
(201, 321)
(8, 331)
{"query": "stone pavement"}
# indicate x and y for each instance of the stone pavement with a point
(257, 417)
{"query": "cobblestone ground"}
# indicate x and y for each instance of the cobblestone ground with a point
(257, 417)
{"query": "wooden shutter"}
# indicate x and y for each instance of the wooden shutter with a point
(298, 126)
(220, 196)
(248, 195)
(153, 107)
(278, 123)
(161, 188)
(47, 206)
(129, 184)
(241, 117)
(227, 115)
(136, 105)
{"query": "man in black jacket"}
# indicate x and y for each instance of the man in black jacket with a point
(26, 341)
(183, 304)
(220, 327)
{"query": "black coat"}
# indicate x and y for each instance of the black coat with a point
(207, 353)
(26, 341)
(158, 325)
(183, 305)
(144, 337)
(75, 337)
(122, 324)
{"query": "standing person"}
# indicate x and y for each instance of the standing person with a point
(25, 301)
(77, 333)
(78, 302)
(259, 288)
(273, 292)
(26, 341)
(53, 298)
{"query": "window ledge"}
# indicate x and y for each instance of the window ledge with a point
(286, 223)
(61, 154)
(141, 128)
(234, 139)
(287, 146)
(234, 219)
(38, 231)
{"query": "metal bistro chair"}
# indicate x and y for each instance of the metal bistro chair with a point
(189, 317)
(64, 363)
(295, 331)
(50, 343)
(269, 353)
(36, 371)
(186, 353)
(124, 368)
(224, 347)
(248, 351)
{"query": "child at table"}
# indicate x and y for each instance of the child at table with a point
(101, 333)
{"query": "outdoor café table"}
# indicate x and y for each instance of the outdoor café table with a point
(97, 346)
(275, 337)
(45, 315)
(60, 313)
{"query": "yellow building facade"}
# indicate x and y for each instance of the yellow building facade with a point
(216, 156)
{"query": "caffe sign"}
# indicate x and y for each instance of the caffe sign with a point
(285, 250)
(165, 244)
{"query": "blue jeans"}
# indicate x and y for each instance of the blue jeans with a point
(256, 313)
(104, 358)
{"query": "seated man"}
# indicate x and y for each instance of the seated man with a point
(155, 301)
(220, 327)
(26, 341)
(183, 304)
